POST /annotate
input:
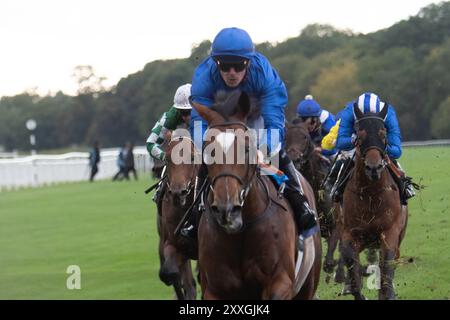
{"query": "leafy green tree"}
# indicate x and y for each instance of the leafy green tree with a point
(440, 127)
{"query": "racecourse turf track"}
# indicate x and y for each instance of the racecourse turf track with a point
(108, 229)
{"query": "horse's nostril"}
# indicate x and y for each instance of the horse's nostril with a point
(214, 208)
(184, 192)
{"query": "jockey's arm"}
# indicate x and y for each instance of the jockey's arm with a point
(394, 139)
(168, 121)
(345, 131)
(329, 141)
(273, 99)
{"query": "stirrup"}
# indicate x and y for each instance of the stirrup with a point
(409, 191)
(186, 231)
(301, 243)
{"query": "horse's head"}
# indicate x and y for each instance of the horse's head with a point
(182, 167)
(299, 145)
(371, 141)
(230, 154)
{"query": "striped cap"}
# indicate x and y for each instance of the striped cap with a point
(370, 102)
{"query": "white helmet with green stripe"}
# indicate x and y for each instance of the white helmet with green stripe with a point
(181, 98)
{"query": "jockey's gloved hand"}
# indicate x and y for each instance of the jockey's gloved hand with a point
(260, 157)
(353, 138)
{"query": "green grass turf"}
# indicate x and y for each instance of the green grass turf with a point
(109, 230)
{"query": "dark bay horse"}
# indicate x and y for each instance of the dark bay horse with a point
(247, 235)
(372, 214)
(300, 149)
(174, 251)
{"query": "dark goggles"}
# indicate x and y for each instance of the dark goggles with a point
(238, 66)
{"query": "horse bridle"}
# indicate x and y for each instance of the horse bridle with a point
(191, 183)
(246, 185)
(364, 147)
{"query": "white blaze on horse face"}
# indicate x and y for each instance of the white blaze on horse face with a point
(225, 140)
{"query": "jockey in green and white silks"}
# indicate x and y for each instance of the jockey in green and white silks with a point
(178, 114)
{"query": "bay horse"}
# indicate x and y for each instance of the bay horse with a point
(247, 234)
(373, 216)
(175, 251)
(300, 149)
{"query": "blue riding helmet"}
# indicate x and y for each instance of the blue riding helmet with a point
(309, 108)
(233, 42)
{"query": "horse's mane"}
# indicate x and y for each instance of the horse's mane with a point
(298, 123)
(225, 103)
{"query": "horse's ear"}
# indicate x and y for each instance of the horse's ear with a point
(243, 107)
(358, 113)
(383, 113)
(205, 112)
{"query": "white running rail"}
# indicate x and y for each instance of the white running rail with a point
(41, 170)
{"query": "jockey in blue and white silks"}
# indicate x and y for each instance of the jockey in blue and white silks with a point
(235, 65)
(370, 102)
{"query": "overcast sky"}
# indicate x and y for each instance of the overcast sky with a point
(43, 40)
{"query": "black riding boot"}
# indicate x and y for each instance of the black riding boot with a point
(405, 184)
(341, 180)
(303, 214)
(334, 171)
(190, 228)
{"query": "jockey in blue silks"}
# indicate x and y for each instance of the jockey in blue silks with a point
(319, 122)
(234, 64)
(370, 103)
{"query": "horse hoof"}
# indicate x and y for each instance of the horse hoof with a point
(328, 267)
(168, 275)
(339, 277)
(168, 278)
(347, 290)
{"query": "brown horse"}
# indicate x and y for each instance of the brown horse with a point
(300, 149)
(174, 251)
(247, 235)
(372, 214)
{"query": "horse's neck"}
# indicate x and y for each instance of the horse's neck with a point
(308, 171)
(312, 171)
(257, 199)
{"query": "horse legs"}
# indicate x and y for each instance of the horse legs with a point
(350, 252)
(280, 288)
(188, 281)
(389, 249)
(169, 273)
(339, 277)
(329, 262)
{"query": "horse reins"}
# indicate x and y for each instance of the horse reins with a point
(247, 186)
